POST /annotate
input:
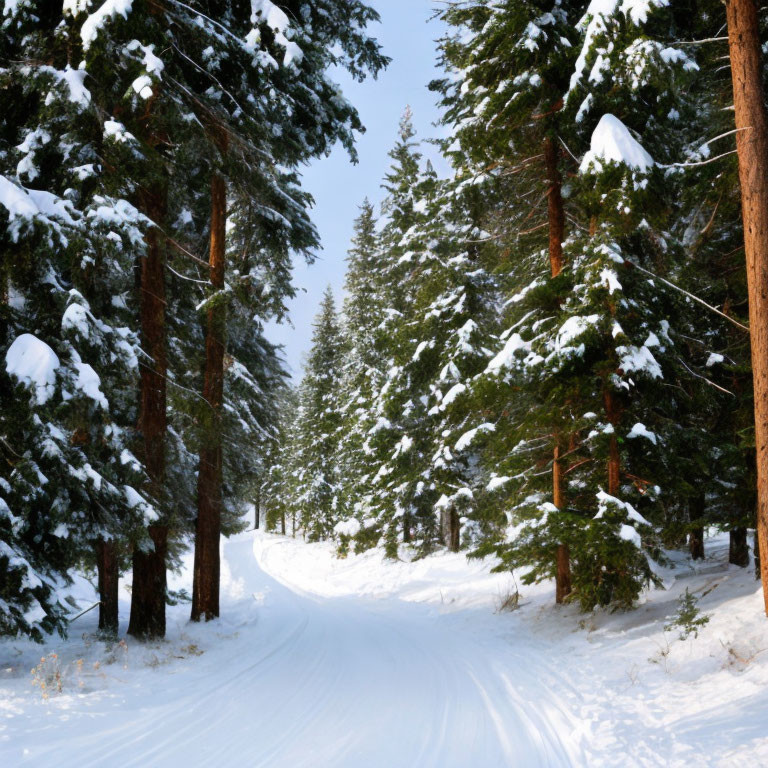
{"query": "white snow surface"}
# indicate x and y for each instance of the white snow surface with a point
(34, 364)
(363, 663)
(349, 527)
(104, 13)
(640, 430)
(612, 142)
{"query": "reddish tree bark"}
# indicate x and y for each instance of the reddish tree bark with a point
(614, 458)
(149, 578)
(555, 209)
(556, 221)
(563, 585)
(107, 565)
(205, 587)
(752, 146)
(149, 587)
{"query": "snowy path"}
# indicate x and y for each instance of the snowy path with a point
(301, 680)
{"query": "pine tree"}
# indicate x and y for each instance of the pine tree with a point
(320, 495)
(122, 82)
(72, 477)
(276, 493)
(401, 500)
(568, 331)
(514, 128)
(364, 368)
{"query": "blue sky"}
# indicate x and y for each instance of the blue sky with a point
(339, 187)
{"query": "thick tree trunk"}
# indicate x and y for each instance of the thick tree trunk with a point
(614, 467)
(752, 146)
(107, 565)
(205, 586)
(696, 509)
(738, 550)
(696, 543)
(450, 529)
(149, 584)
(556, 221)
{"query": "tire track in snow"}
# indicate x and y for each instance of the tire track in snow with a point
(317, 682)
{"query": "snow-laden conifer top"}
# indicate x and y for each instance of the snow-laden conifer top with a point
(612, 142)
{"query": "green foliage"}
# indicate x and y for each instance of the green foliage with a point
(688, 620)
(462, 404)
(116, 123)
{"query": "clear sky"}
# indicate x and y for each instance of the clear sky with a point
(407, 37)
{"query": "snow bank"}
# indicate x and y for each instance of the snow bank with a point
(370, 662)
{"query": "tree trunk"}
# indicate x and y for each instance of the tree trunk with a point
(563, 555)
(257, 510)
(614, 458)
(556, 221)
(752, 146)
(149, 585)
(555, 210)
(406, 529)
(563, 586)
(450, 529)
(738, 550)
(205, 586)
(696, 543)
(107, 566)
(696, 509)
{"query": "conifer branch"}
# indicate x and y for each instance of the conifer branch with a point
(689, 295)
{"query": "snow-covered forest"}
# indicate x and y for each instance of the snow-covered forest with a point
(512, 513)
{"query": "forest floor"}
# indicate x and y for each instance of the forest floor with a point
(319, 662)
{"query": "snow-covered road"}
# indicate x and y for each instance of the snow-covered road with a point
(289, 678)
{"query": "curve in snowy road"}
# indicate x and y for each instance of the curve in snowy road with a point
(302, 681)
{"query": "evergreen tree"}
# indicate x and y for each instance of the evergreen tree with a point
(70, 477)
(711, 231)
(582, 355)
(364, 369)
(401, 501)
(511, 132)
(276, 493)
(320, 493)
(244, 93)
